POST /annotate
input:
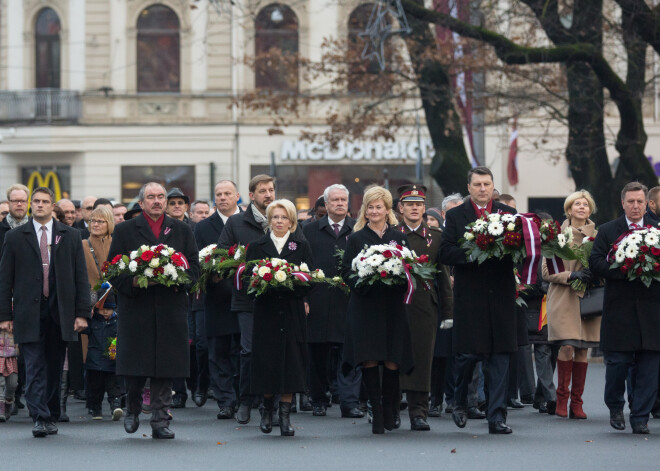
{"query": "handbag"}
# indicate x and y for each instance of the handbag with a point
(591, 304)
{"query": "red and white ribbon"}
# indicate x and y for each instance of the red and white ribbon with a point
(411, 287)
(238, 283)
(555, 265)
(302, 276)
(532, 239)
(186, 265)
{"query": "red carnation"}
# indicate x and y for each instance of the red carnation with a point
(268, 276)
(383, 274)
(655, 251)
(255, 283)
(642, 258)
(639, 271)
(644, 249)
(269, 265)
(147, 255)
(624, 268)
(656, 266)
(177, 260)
(232, 250)
(387, 254)
(423, 258)
(398, 247)
(276, 269)
(629, 262)
(207, 259)
(116, 259)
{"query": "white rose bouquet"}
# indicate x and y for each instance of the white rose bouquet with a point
(221, 262)
(158, 263)
(277, 273)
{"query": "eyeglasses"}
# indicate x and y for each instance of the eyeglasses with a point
(18, 201)
(89, 208)
(98, 221)
(4, 213)
(280, 218)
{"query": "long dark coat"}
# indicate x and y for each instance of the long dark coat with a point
(376, 323)
(21, 279)
(327, 306)
(220, 320)
(152, 337)
(423, 310)
(279, 347)
(631, 311)
(485, 319)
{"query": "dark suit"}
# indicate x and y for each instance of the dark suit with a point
(484, 312)
(152, 338)
(43, 325)
(84, 230)
(221, 330)
(630, 329)
(326, 322)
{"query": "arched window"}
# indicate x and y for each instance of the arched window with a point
(158, 52)
(361, 71)
(276, 48)
(47, 40)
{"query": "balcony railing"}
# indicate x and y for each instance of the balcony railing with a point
(43, 105)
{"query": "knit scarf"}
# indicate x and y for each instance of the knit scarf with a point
(260, 218)
(14, 223)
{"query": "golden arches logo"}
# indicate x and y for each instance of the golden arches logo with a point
(36, 180)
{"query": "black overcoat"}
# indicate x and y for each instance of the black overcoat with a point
(377, 326)
(220, 320)
(485, 318)
(631, 311)
(279, 347)
(327, 306)
(21, 279)
(100, 331)
(152, 334)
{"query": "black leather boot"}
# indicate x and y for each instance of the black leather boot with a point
(371, 379)
(267, 415)
(390, 401)
(286, 430)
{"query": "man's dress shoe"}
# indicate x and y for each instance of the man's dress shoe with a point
(551, 406)
(243, 414)
(51, 428)
(499, 428)
(199, 398)
(39, 429)
(640, 429)
(225, 412)
(352, 413)
(460, 417)
(418, 423)
(318, 411)
(434, 411)
(162, 433)
(131, 423)
(475, 413)
(514, 403)
(617, 421)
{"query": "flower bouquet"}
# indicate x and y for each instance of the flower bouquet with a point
(520, 289)
(159, 264)
(392, 264)
(111, 351)
(224, 263)
(637, 255)
(277, 273)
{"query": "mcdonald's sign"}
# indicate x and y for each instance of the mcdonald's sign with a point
(51, 180)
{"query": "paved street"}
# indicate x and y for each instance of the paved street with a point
(538, 442)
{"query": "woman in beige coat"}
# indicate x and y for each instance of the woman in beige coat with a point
(566, 328)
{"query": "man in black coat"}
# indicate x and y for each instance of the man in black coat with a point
(43, 271)
(215, 318)
(630, 329)
(152, 339)
(17, 198)
(242, 229)
(326, 322)
(484, 305)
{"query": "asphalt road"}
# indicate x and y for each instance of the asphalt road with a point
(539, 442)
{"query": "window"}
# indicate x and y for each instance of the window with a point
(47, 39)
(158, 51)
(361, 72)
(276, 48)
(133, 177)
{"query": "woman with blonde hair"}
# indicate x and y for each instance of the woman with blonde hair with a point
(377, 330)
(279, 343)
(566, 327)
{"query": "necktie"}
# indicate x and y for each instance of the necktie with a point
(335, 227)
(634, 226)
(43, 248)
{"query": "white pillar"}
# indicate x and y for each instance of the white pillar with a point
(15, 45)
(118, 45)
(77, 71)
(198, 49)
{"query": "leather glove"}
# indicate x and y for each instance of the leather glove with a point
(583, 275)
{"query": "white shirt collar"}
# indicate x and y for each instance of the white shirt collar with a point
(224, 218)
(339, 223)
(414, 229)
(49, 232)
(640, 223)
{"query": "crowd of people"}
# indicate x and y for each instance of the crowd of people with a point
(463, 346)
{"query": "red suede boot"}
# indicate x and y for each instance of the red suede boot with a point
(564, 373)
(577, 388)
